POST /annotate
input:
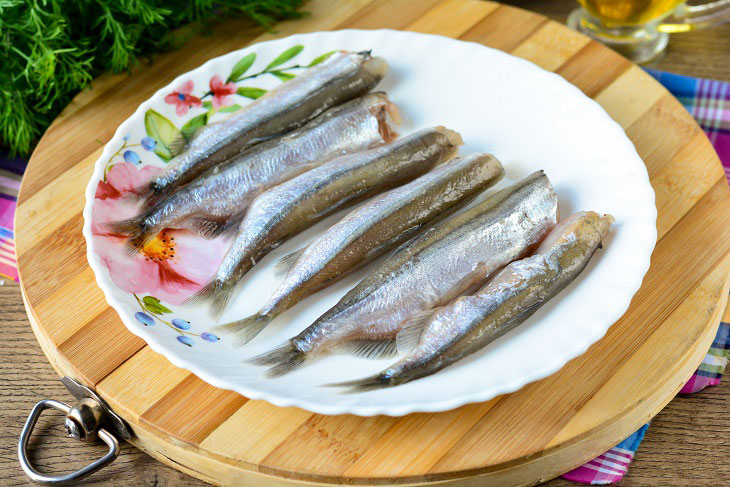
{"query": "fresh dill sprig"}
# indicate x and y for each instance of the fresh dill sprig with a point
(51, 49)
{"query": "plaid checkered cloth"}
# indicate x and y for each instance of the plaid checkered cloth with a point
(707, 100)
(709, 103)
(713, 365)
(611, 466)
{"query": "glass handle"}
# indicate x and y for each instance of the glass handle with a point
(692, 17)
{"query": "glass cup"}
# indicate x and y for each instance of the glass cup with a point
(639, 29)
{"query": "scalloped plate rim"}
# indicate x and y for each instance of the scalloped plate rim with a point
(168, 352)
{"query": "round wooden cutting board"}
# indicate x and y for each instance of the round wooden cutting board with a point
(534, 434)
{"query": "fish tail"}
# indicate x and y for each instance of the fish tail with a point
(243, 331)
(283, 359)
(138, 242)
(141, 192)
(136, 229)
(371, 383)
(217, 293)
(129, 227)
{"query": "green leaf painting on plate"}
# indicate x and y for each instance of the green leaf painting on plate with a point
(192, 126)
(250, 92)
(230, 108)
(170, 140)
(166, 134)
(240, 68)
(153, 305)
(285, 56)
(283, 76)
(320, 59)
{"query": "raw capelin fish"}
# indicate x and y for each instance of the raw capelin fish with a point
(342, 77)
(371, 230)
(442, 263)
(289, 208)
(218, 198)
(469, 323)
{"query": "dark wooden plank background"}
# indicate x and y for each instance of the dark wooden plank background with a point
(688, 443)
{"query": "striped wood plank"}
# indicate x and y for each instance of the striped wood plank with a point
(535, 433)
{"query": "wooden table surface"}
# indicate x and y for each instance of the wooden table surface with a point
(688, 443)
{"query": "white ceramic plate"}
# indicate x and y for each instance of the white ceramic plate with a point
(530, 118)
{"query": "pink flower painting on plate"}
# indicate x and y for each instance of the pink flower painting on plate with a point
(176, 263)
(172, 266)
(222, 92)
(183, 99)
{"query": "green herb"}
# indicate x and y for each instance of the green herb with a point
(51, 49)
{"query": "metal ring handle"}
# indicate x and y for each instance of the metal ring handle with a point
(35, 413)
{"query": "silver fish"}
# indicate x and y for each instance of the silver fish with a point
(344, 76)
(442, 263)
(469, 323)
(295, 205)
(218, 198)
(371, 230)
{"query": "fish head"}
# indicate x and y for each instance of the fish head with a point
(582, 225)
(385, 112)
(375, 65)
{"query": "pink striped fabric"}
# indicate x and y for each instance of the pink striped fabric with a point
(611, 466)
(8, 266)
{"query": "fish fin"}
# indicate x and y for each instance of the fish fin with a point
(282, 268)
(371, 383)
(243, 331)
(208, 227)
(283, 359)
(217, 293)
(372, 349)
(233, 221)
(411, 331)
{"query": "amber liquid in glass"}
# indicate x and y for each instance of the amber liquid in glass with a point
(628, 12)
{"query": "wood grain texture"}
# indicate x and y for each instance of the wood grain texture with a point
(535, 433)
(687, 443)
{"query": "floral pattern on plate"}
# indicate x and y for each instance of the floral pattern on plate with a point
(530, 118)
(174, 265)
